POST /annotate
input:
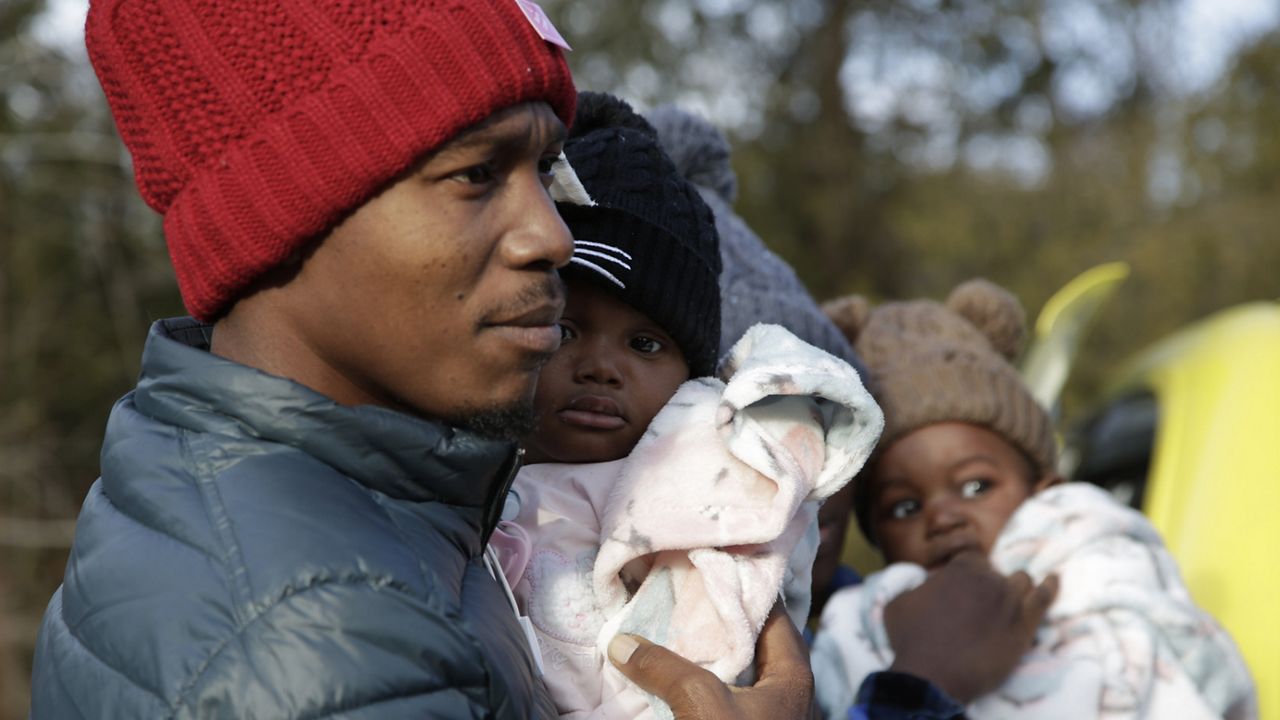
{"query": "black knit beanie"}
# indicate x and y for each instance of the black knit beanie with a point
(649, 238)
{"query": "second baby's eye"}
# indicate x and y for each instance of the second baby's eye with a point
(974, 488)
(646, 345)
(904, 509)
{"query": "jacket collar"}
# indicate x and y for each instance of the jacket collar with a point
(404, 457)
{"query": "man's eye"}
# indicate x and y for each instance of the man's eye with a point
(974, 488)
(546, 165)
(476, 174)
(904, 509)
(646, 345)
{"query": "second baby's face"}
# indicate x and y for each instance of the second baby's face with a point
(946, 488)
(614, 371)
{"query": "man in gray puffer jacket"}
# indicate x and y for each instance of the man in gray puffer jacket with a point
(283, 528)
(295, 500)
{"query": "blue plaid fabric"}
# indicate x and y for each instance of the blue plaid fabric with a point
(898, 696)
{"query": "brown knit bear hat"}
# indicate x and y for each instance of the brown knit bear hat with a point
(935, 362)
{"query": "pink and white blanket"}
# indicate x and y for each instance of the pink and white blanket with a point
(687, 540)
(1123, 639)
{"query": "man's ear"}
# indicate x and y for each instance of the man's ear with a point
(1047, 481)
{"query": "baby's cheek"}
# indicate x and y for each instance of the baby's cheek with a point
(898, 545)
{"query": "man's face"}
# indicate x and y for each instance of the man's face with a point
(614, 371)
(439, 296)
(945, 488)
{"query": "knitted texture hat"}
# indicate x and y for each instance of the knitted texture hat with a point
(649, 237)
(756, 286)
(932, 363)
(256, 126)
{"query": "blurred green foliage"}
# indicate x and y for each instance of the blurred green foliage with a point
(888, 147)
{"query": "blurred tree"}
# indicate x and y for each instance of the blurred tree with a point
(898, 147)
(82, 271)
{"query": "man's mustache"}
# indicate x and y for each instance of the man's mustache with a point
(548, 292)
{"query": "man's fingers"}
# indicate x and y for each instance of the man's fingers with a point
(686, 687)
(780, 651)
(782, 661)
(1036, 603)
(1019, 586)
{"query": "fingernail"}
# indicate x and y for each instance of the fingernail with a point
(621, 648)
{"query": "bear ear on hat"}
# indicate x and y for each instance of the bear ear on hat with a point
(598, 110)
(850, 313)
(994, 311)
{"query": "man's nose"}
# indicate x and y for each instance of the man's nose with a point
(540, 238)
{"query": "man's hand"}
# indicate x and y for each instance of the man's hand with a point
(967, 626)
(784, 688)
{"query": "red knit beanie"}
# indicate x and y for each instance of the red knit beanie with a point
(256, 125)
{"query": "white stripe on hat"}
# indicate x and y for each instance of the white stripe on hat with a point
(576, 260)
(602, 246)
(583, 251)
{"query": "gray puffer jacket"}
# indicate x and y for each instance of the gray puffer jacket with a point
(254, 550)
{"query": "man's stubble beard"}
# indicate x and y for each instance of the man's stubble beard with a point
(517, 420)
(509, 423)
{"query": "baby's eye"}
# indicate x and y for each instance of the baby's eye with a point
(646, 345)
(567, 333)
(904, 509)
(974, 488)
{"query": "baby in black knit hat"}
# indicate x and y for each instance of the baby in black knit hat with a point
(642, 312)
(660, 500)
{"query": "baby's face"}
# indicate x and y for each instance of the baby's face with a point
(946, 488)
(614, 371)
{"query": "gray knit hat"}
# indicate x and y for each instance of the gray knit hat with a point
(931, 362)
(755, 284)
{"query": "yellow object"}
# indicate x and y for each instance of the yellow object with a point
(1213, 490)
(1061, 327)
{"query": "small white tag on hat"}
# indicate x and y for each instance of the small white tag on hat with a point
(566, 186)
(541, 23)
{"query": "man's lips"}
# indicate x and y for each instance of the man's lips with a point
(593, 412)
(536, 330)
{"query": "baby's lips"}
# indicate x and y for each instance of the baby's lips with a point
(945, 556)
(596, 404)
(591, 420)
